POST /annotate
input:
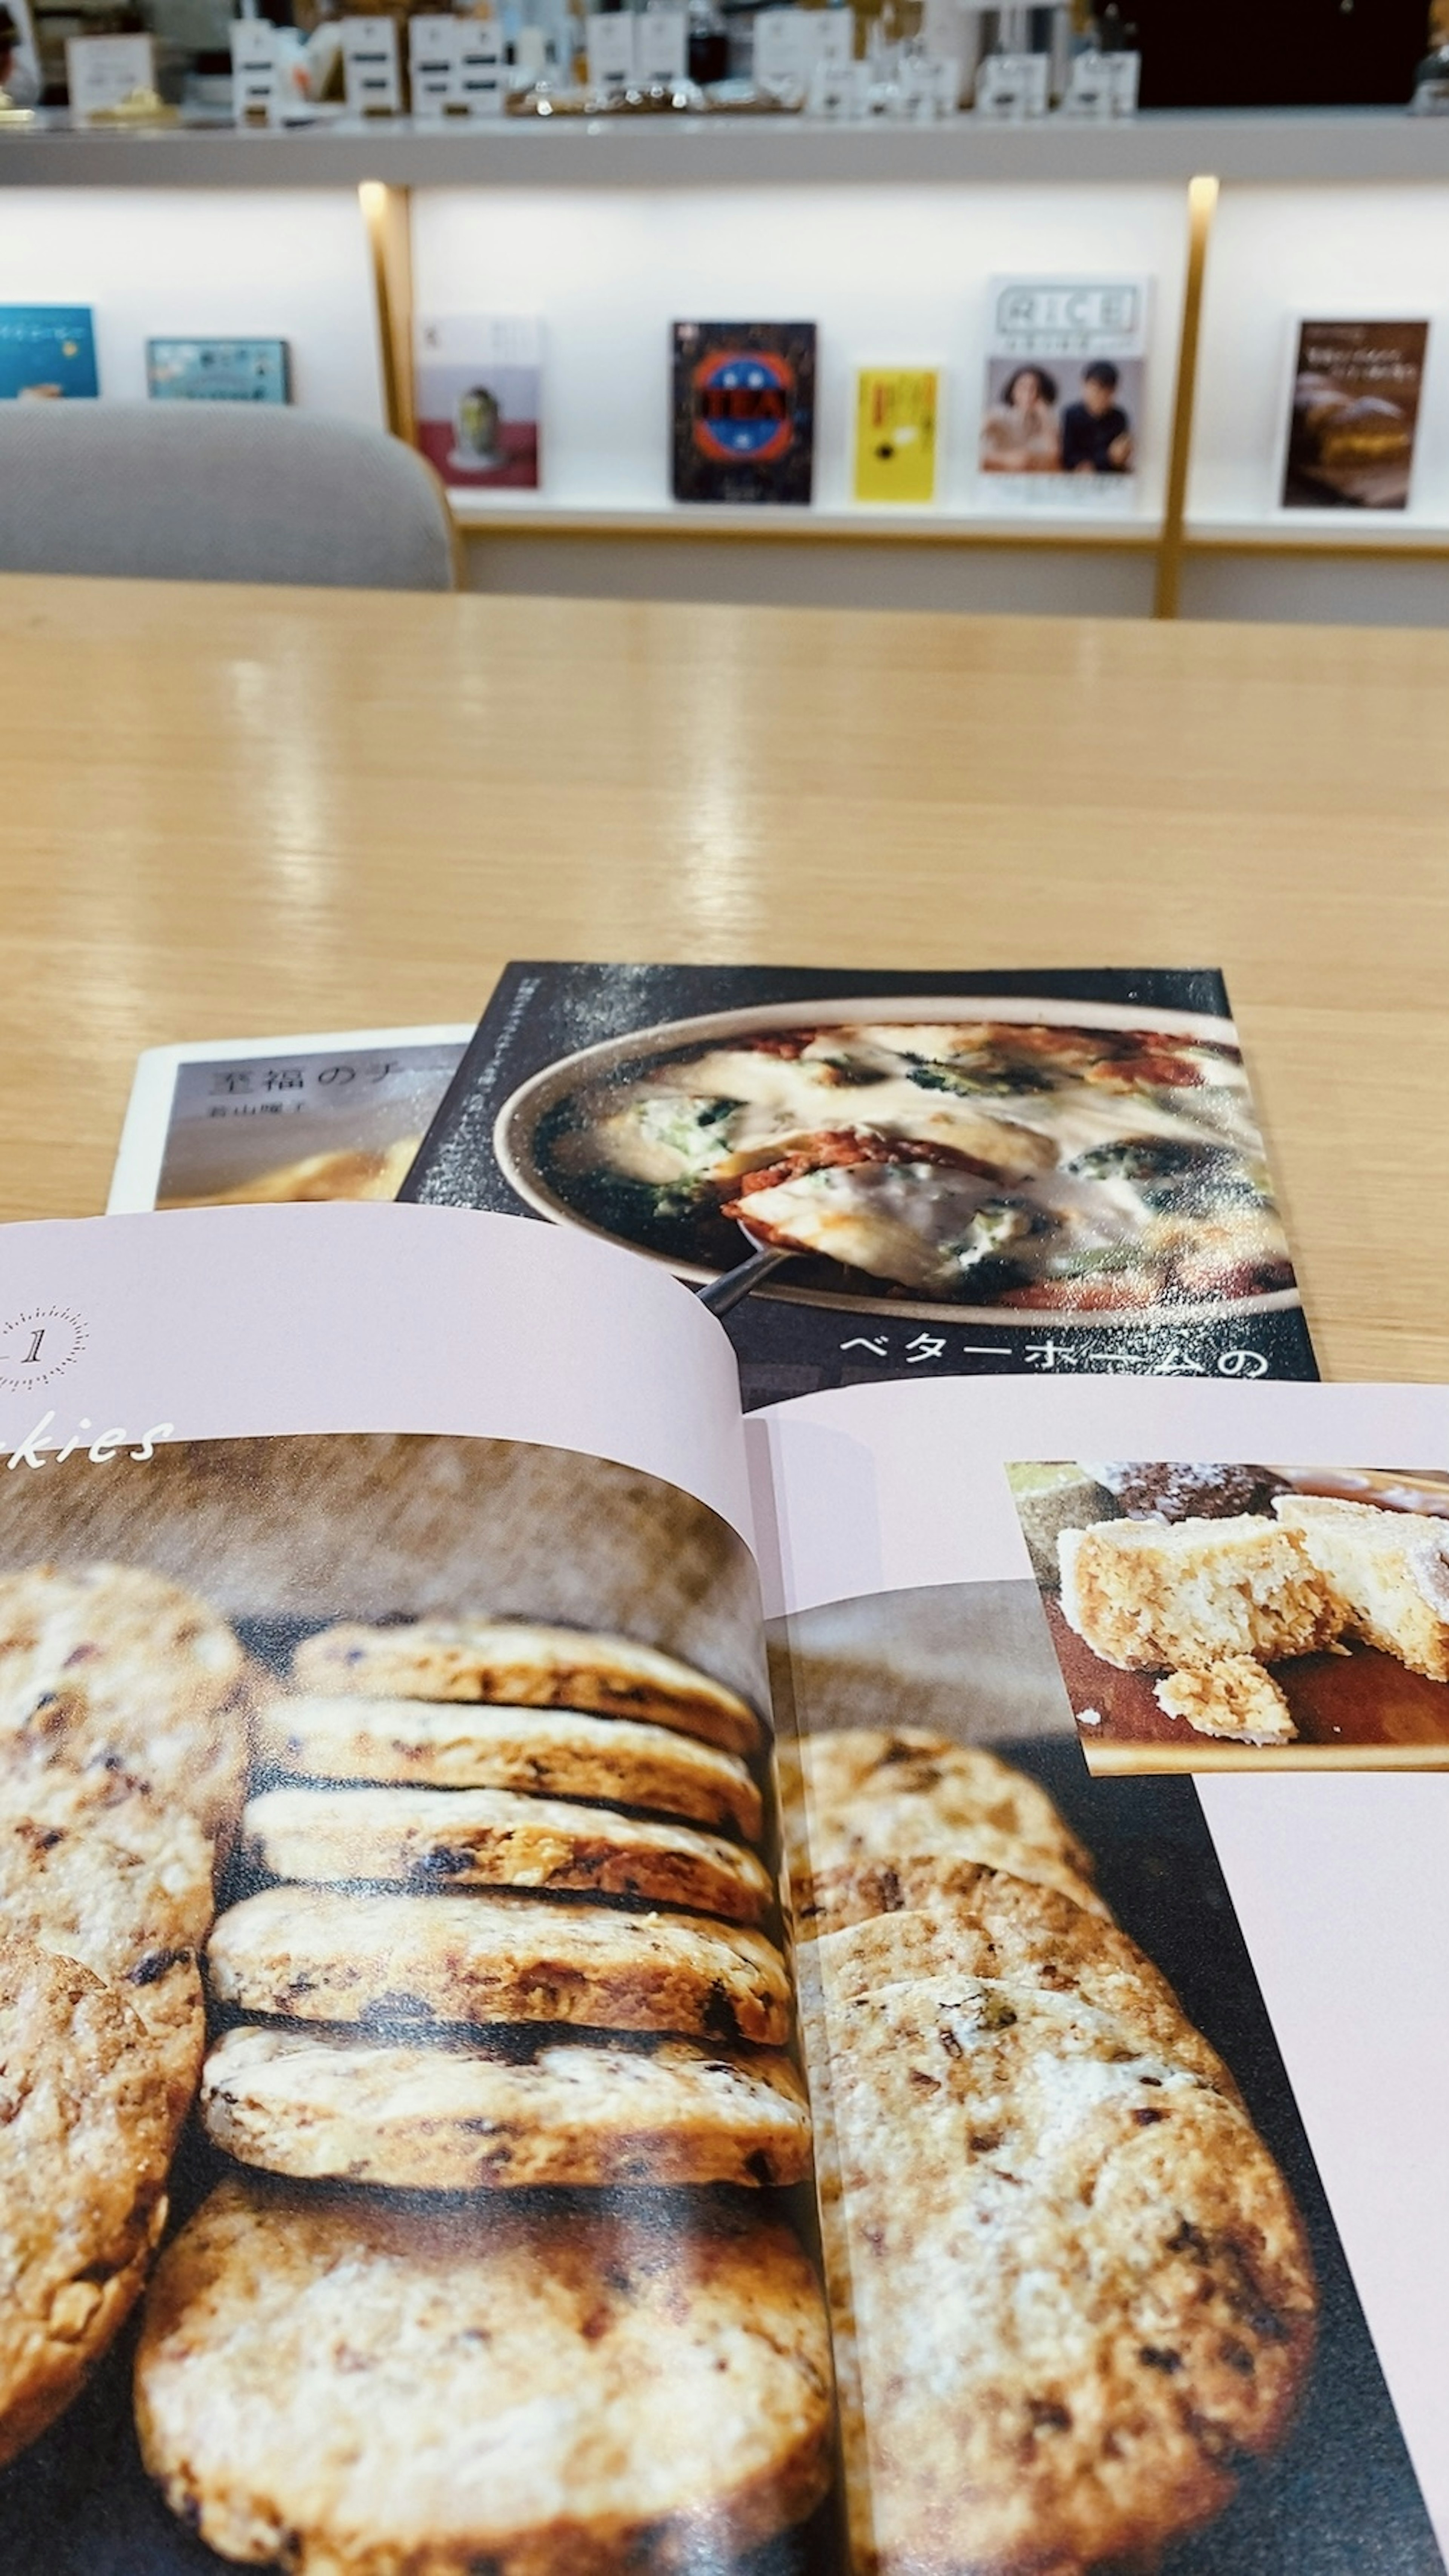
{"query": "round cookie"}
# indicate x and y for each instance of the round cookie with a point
(1069, 2286)
(84, 2142)
(364, 2389)
(431, 1838)
(316, 1954)
(862, 1796)
(518, 1665)
(464, 2117)
(91, 1868)
(107, 1667)
(561, 1753)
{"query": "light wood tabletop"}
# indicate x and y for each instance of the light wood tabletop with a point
(232, 811)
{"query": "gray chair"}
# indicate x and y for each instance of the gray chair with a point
(218, 492)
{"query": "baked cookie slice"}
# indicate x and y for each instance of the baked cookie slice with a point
(1235, 1699)
(1169, 1594)
(317, 1954)
(1069, 2287)
(360, 2387)
(550, 1753)
(108, 1667)
(517, 1665)
(466, 2116)
(85, 2137)
(432, 1838)
(1388, 1570)
(92, 1868)
(851, 1891)
(865, 1795)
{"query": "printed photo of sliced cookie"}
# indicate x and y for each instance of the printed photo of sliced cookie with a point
(94, 1868)
(1069, 2285)
(515, 1664)
(462, 2116)
(318, 1954)
(861, 1796)
(108, 1667)
(573, 2394)
(85, 2137)
(551, 1753)
(432, 1838)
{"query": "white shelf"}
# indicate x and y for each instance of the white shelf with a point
(1364, 532)
(1270, 149)
(519, 514)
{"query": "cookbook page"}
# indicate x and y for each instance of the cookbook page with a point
(1128, 2083)
(977, 1174)
(404, 2154)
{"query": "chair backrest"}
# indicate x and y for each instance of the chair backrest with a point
(217, 492)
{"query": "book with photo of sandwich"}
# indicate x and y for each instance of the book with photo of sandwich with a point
(743, 412)
(47, 353)
(1062, 405)
(1354, 415)
(569, 2002)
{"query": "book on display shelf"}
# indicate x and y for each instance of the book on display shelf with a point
(569, 1995)
(479, 393)
(743, 416)
(896, 414)
(1062, 412)
(248, 371)
(47, 353)
(1353, 415)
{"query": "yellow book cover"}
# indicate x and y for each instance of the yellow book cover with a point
(895, 434)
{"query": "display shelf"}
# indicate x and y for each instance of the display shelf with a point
(1349, 147)
(493, 514)
(1319, 532)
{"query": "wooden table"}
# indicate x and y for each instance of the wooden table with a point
(229, 811)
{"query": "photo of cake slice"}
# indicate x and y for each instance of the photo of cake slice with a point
(1184, 1594)
(1235, 1698)
(1388, 1570)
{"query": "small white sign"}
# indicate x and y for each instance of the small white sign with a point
(256, 84)
(926, 89)
(832, 34)
(839, 93)
(1012, 88)
(432, 63)
(480, 85)
(1102, 86)
(611, 52)
(101, 71)
(661, 48)
(791, 45)
(371, 68)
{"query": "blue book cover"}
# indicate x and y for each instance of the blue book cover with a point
(47, 352)
(218, 371)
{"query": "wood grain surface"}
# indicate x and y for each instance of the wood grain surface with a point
(230, 811)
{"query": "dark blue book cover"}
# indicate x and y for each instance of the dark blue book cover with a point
(47, 352)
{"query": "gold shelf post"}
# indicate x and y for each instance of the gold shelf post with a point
(1202, 200)
(387, 216)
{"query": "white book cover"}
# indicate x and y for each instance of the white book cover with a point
(478, 391)
(1062, 400)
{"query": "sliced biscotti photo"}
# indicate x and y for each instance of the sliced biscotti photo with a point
(1388, 1571)
(552, 1753)
(516, 1664)
(461, 2114)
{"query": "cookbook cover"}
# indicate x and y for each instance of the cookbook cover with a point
(47, 352)
(236, 1122)
(1065, 375)
(218, 371)
(479, 395)
(895, 433)
(744, 411)
(1353, 415)
(1041, 1172)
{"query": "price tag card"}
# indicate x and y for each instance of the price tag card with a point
(661, 47)
(101, 71)
(1011, 88)
(611, 52)
(480, 84)
(432, 63)
(256, 91)
(371, 69)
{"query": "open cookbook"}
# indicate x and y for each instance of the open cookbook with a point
(571, 2005)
